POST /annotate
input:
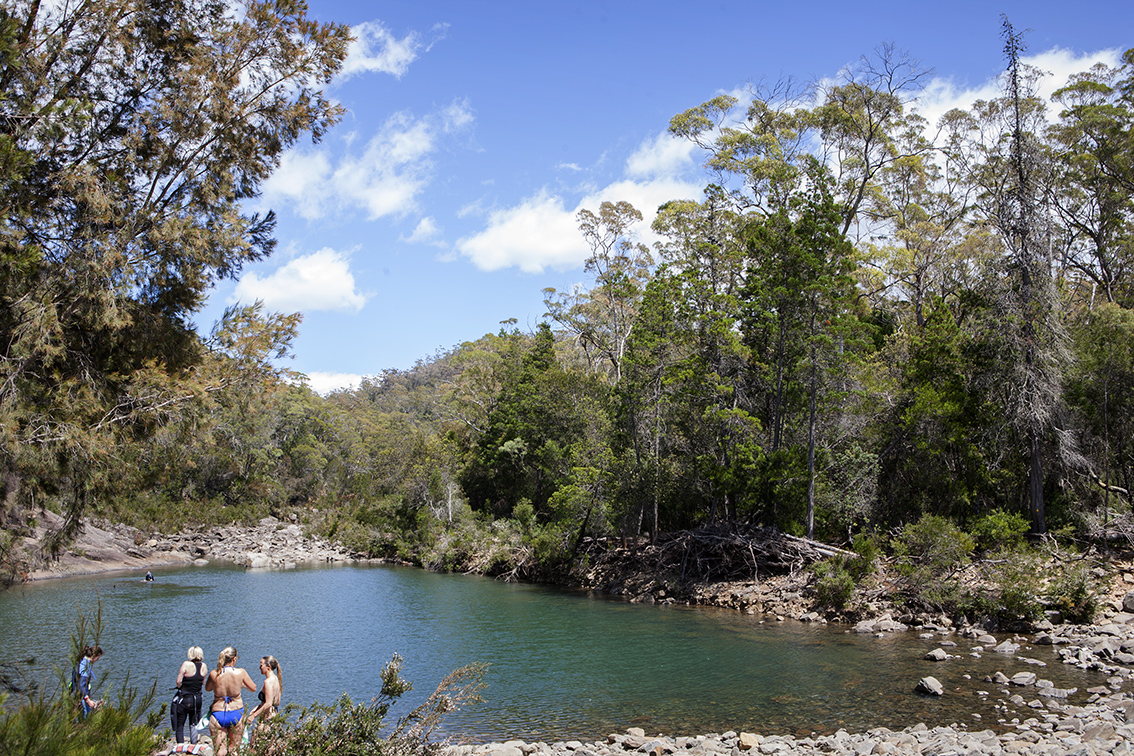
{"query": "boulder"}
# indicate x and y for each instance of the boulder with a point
(1128, 602)
(748, 741)
(937, 654)
(1023, 678)
(930, 686)
(1106, 647)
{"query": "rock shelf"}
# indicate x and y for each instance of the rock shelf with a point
(104, 547)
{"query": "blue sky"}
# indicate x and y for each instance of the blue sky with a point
(445, 201)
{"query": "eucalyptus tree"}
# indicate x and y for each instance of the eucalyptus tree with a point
(131, 133)
(1093, 191)
(851, 123)
(601, 318)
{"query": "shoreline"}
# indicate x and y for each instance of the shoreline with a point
(1106, 727)
(1025, 716)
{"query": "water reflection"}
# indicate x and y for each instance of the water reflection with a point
(562, 664)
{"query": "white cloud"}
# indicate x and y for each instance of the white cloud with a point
(457, 116)
(664, 155)
(426, 232)
(542, 232)
(302, 180)
(319, 281)
(376, 50)
(324, 383)
(539, 232)
(387, 177)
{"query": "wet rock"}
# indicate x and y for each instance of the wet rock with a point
(937, 654)
(930, 686)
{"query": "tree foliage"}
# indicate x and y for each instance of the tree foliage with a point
(131, 134)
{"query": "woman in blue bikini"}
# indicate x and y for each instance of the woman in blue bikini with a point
(227, 714)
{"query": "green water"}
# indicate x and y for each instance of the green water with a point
(562, 664)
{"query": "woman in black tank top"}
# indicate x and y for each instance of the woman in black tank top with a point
(186, 705)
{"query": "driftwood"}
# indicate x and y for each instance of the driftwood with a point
(716, 552)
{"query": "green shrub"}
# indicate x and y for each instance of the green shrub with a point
(834, 586)
(930, 554)
(867, 550)
(524, 514)
(37, 722)
(933, 546)
(1071, 594)
(1016, 579)
(999, 530)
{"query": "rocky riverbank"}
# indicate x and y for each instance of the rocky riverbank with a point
(1101, 728)
(105, 547)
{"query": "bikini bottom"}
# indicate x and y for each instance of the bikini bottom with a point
(226, 719)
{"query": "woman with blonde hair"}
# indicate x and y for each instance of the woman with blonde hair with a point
(226, 716)
(186, 706)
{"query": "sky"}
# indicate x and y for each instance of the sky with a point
(444, 202)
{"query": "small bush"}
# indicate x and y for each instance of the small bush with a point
(933, 546)
(999, 530)
(930, 553)
(867, 550)
(1016, 580)
(1071, 593)
(36, 722)
(834, 586)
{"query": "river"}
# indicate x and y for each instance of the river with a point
(562, 664)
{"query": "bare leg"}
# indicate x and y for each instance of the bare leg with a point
(235, 733)
(220, 745)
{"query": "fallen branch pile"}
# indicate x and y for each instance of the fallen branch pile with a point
(713, 553)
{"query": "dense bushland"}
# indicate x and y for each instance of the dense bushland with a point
(866, 324)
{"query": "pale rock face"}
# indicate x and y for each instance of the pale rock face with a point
(930, 686)
(747, 741)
